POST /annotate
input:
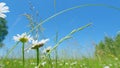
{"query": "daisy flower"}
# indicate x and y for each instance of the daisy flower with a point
(37, 44)
(22, 38)
(47, 49)
(3, 9)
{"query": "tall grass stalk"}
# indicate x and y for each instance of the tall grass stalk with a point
(56, 53)
(68, 36)
(50, 60)
(56, 39)
(14, 46)
(54, 5)
(69, 9)
(65, 38)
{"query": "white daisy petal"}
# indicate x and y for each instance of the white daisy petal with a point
(2, 4)
(3, 9)
(2, 15)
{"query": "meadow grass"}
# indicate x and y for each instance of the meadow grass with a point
(63, 63)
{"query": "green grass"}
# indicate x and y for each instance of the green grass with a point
(63, 63)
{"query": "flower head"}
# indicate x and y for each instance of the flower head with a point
(37, 44)
(3, 9)
(47, 49)
(22, 38)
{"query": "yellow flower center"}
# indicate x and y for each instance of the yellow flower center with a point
(23, 40)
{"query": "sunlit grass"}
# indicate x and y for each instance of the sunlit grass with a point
(63, 63)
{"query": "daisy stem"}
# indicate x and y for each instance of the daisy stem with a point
(23, 55)
(37, 50)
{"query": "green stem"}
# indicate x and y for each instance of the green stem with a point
(50, 60)
(37, 50)
(23, 57)
(56, 57)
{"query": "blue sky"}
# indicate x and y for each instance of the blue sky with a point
(106, 21)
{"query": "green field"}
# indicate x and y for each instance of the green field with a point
(63, 63)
